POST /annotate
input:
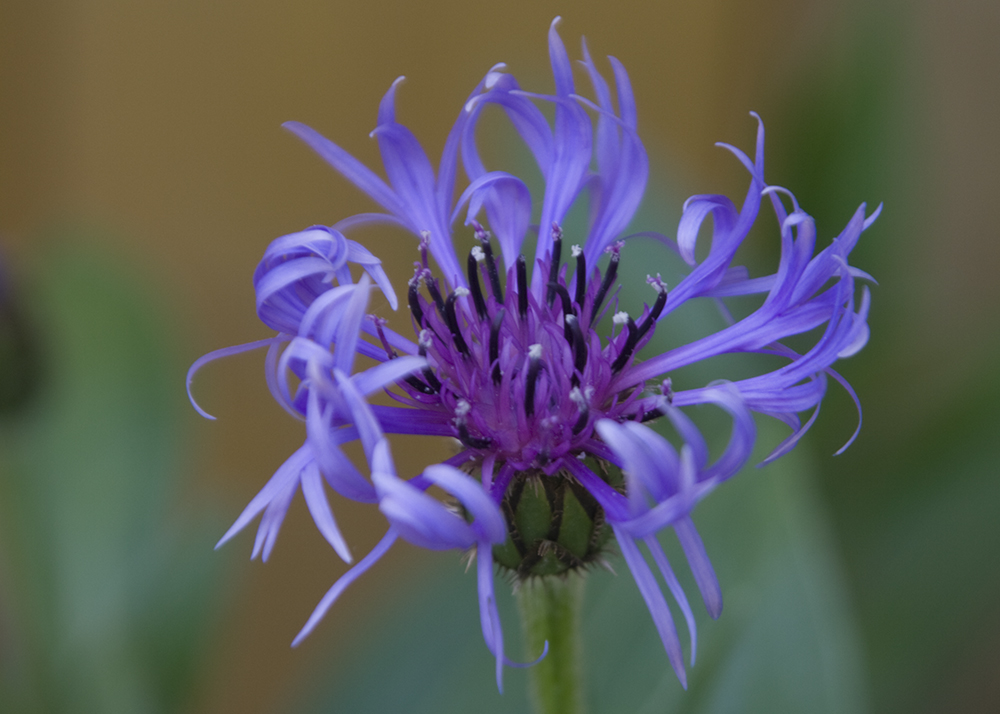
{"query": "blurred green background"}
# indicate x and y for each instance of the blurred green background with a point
(143, 171)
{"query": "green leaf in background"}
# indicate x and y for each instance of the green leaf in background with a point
(924, 563)
(914, 501)
(106, 599)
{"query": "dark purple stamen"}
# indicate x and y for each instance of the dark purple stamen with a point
(477, 293)
(413, 298)
(452, 319)
(432, 380)
(581, 277)
(563, 293)
(654, 313)
(419, 386)
(581, 423)
(609, 279)
(579, 344)
(567, 308)
(522, 287)
(628, 348)
(469, 440)
(554, 267)
(392, 354)
(534, 368)
(495, 343)
(491, 264)
(651, 415)
(429, 375)
(432, 288)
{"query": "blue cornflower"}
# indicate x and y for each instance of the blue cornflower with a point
(511, 357)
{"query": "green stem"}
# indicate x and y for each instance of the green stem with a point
(550, 610)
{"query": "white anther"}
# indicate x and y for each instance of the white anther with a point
(420, 278)
(576, 396)
(535, 351)
(659, 285)
(425, 339)
(461, 292)
(462, 408)
(620, 318)
(588, 392)
(478, 254)
(575, 250)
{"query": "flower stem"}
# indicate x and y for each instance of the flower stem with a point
(550, 610)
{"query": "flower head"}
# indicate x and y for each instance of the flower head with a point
(513, 357)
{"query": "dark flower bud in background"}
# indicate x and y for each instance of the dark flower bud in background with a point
(20, 366)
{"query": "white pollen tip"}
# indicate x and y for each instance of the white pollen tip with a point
(535, 351)
(461, 292)
(575, 250)
(658, 283)
(462, 408)
(478, 254)
(576, 396)
(424, 339)
(620, 318)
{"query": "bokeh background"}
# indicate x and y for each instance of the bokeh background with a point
(142, 173)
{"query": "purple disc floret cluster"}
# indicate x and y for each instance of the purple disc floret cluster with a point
(528, 362)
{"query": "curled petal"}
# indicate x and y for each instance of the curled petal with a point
(508, 209)
(488, 521)
(219, 354)
(420, 518)
(489, 616)
(344, 581)
(650, 463)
